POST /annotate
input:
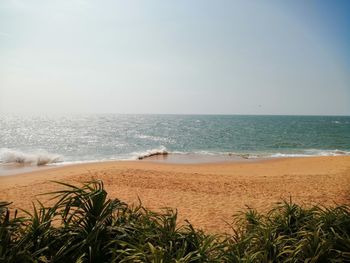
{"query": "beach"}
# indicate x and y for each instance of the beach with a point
(206, 194)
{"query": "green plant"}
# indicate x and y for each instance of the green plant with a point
(84, 225)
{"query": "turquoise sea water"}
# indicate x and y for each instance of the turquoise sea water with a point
(82, 138)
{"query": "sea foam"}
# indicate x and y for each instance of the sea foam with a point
(311, 153)
(153, 152)
(35, 158)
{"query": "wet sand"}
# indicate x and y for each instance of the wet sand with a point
(206, 194)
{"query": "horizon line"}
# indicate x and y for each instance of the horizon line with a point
(173, 114)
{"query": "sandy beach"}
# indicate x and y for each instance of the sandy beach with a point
(205, 194)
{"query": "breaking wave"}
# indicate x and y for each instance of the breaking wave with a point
(40, 158)
(242, 155)
(154, 152)
(311, 153)
(36, 158)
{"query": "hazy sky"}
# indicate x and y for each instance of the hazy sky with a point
(216, 57)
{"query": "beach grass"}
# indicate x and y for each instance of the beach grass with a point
(84, 225)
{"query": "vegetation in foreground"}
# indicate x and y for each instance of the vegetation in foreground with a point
(85, 226)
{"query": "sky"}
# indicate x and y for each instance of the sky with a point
(175, 57)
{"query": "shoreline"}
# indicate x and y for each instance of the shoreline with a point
(11, 169)
(168, 158)
(207, 194)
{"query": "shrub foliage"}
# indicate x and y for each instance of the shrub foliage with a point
(85, 226)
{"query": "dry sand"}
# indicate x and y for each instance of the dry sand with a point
(205, 194)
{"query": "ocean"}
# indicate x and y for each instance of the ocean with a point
(45, 140)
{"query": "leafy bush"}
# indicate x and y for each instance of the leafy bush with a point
(85, 226)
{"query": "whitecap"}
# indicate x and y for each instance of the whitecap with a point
(153, 152)
(311, 153)
(153, 138)
(35, 158)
